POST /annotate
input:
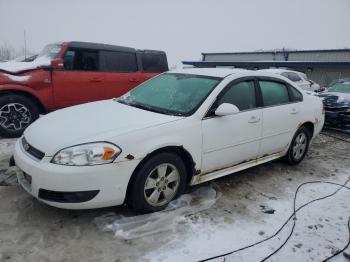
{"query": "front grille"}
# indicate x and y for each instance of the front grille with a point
(32, 150)
(67, 197)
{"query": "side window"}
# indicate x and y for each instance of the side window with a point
(297, 96)
(113, 61)
(294, 77)
(154, 62)
(81, 60)
(241, 95)
(273, 93)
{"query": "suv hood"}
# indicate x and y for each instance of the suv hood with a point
(15, 67)
(335, 99)
(84, 123)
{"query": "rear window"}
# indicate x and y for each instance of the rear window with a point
(154, 62)
(291, 76)
(112, 61)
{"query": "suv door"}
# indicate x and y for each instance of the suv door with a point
(229, 140)
(280, 115)
(80, 81)
(121, 72)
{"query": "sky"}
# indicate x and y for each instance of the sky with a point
(182, 28)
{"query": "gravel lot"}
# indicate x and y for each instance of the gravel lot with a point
(253, 205)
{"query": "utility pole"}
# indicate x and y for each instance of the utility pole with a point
(25, 45)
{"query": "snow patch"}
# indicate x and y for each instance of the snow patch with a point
(166, 220)
(17, 78)
(15, 67)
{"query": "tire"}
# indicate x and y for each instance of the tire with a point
(150, 175)
(298, 147)
(16, 113)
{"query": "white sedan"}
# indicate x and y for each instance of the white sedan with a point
(180, 128)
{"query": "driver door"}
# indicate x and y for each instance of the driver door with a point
(232, 139)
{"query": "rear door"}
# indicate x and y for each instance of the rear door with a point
(80, 81)
(121, 72)
(229, 140)
(281, 114)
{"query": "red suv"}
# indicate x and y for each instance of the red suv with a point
(67, 74)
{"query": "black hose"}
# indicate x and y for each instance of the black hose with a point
(293, 215)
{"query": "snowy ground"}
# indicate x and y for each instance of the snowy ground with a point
(254, 203)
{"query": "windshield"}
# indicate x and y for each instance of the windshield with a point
(174, 94)
(50, 51)
(340, 87)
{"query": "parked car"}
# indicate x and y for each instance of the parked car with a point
(336, 100)
(67, 74)
(298, 78)
(180, 128)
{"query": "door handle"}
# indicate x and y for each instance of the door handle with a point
(96, 79)
(134, 80)
(294, 111)
(253, 119)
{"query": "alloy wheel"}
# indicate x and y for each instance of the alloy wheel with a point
(14, 116)
(299, 146)
(161, 184)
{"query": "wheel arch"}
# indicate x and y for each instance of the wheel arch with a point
(34, 98)
(310, 126)
(178, 150)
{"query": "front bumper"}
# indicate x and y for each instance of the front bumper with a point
(110, 180)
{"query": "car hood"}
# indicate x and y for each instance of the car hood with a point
(100, 120)
(335, 99)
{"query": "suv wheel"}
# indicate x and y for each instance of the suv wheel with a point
(16, 113)
(160, 180)
(299, 146)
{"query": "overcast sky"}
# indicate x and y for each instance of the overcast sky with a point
(182, 28)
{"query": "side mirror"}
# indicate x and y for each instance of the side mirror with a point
(57, 63)
(226, 109)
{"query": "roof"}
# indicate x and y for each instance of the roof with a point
(214, 72)
(281, 52)
(98, 46)
(265, 63)
(278, 70)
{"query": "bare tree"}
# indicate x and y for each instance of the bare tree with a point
(7, 52)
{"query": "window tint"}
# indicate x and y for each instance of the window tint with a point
(273, 93)
(154, 62)
(84, 60)
(297, 96)
(241, 95)
(112, 61)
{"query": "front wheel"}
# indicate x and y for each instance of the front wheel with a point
(159, 180)
(16, 113)
(299, 146)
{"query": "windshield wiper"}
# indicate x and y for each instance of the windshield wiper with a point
(149, 108)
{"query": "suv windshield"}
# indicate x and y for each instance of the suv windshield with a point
(50, 51)
(340, 87)
(173, 94)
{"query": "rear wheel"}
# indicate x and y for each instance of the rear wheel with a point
(299, 146)
(16, 113)
(157, 182)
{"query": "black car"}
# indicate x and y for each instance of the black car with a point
(336, 100)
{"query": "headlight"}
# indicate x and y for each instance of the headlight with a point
(87, 154)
